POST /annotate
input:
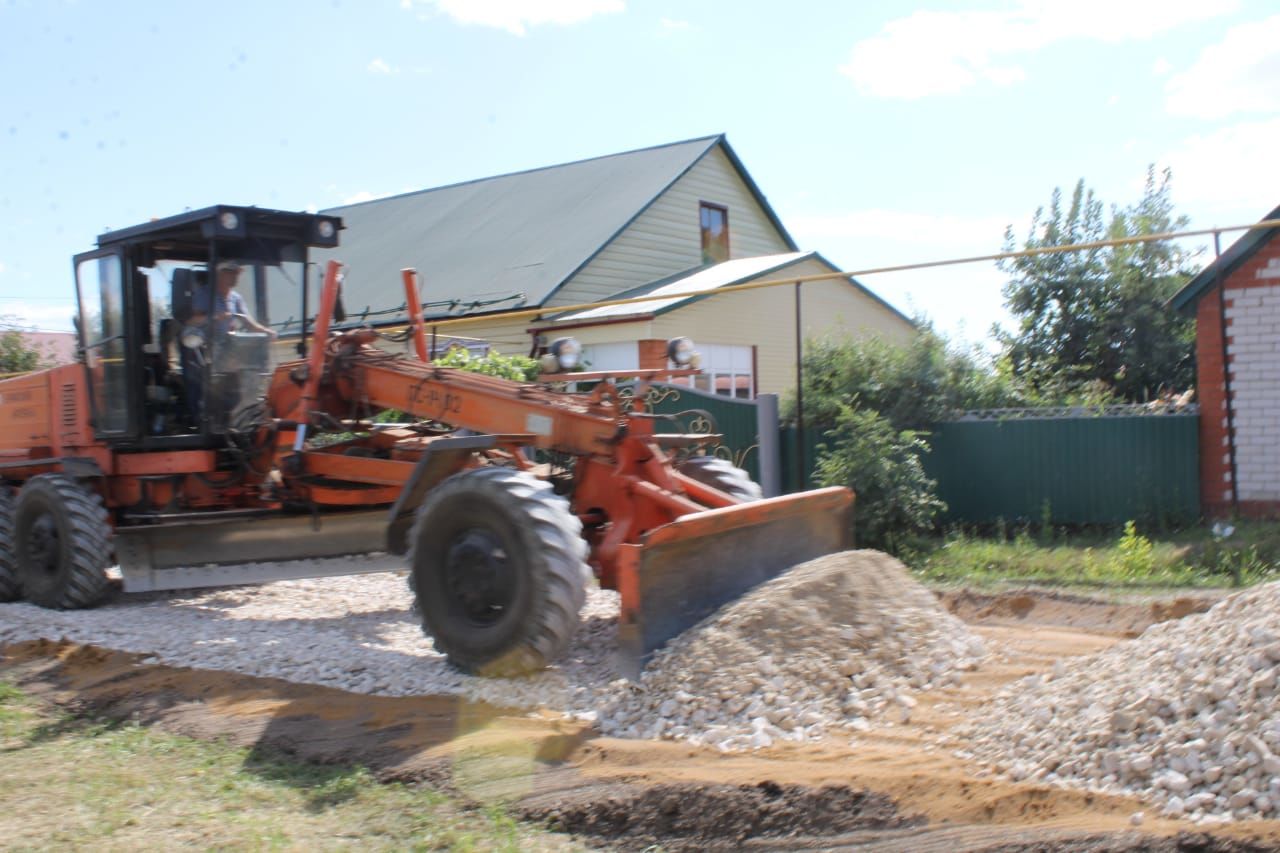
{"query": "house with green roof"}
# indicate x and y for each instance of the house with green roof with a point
(668, 220)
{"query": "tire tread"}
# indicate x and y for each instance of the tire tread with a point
(10, 587)
(561, 564)
(86, 581)
(723, 475)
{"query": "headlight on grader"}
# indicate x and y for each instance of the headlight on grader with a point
(564, 355)
(681, 353)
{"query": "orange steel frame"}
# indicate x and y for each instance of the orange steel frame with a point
(624, 484)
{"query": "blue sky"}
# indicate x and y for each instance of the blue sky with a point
(881, 133)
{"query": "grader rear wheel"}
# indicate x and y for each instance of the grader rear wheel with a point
(723, 475)
(499, 571)
(10, 589)
(62, 543)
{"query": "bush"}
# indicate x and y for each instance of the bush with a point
(895, 499)
(517, 368)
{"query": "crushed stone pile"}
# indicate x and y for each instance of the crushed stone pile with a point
(1186, 715)
(818, 651)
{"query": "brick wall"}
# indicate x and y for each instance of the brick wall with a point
(1253, 364)
(1215, 459)
(653, 355)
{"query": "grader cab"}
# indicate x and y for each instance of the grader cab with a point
(176, 451)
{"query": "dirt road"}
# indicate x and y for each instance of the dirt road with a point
(899, 786)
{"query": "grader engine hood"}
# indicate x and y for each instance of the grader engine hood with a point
(684, 571)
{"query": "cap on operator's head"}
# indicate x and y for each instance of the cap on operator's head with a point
(233, 266)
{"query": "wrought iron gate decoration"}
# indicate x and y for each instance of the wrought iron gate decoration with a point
(694, 411)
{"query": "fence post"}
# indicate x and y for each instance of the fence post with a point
(769, 430)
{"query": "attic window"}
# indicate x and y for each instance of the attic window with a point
(714, 220)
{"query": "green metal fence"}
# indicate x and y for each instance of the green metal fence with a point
(1079, 469)
(792, 444)
(1069, 470)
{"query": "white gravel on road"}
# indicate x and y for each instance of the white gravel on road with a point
(815, 651)
(354, 632)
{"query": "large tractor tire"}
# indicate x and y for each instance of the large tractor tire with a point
(62, 543)
(10, 589)
(499, 571)
(723, 475)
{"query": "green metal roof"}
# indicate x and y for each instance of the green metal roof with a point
(508, 241)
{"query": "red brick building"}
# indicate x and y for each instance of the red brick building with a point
(1236, 303)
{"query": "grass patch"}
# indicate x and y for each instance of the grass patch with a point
(1128, 559)
(75, 783)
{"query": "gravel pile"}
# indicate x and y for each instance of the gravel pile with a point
(820, 650)
(1187, 715)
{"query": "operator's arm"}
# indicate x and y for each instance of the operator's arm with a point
(240, 308)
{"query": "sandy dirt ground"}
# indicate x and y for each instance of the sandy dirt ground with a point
(892, 788)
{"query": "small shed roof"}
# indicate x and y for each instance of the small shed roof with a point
(508, 241)
(1236, 254)
(675, 289)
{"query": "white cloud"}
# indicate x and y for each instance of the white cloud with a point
(930, 53)
(516, 16)
(1, 269)
(1216, 174)
(363, 195)
(672, 25)
(1240, 74)
(1113, 100)
(980, 233)
(1161, 67)
(379, 66)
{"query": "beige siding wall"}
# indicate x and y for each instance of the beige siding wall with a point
(665, 238)
(639, 331)
(508, 337)
(765, 318)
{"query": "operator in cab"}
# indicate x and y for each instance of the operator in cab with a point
(227, 306)
(227, 309)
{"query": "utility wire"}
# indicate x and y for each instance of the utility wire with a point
(536, 313)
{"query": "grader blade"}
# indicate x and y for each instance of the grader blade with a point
(228, 550)
(685, 570)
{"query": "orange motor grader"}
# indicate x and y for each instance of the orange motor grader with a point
(175, 450)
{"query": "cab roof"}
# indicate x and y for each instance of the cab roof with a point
(230, 222)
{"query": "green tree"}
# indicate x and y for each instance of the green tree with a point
(1097, 317)
(16, 356)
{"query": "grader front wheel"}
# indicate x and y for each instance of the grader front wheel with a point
(62, 543)
(723, 475)
(498, 571)
(10, 589)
